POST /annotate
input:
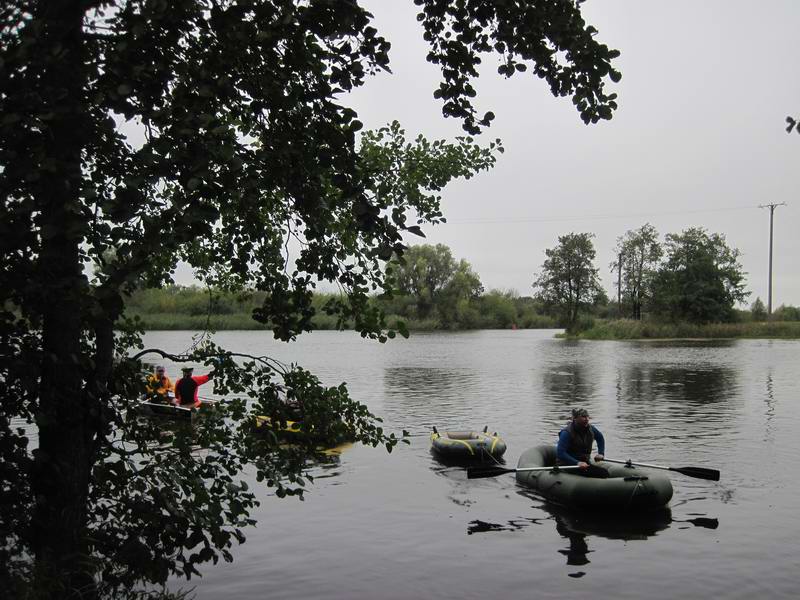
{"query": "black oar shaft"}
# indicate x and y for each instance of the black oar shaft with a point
(698, 472)
(165, 406)
(481, 472)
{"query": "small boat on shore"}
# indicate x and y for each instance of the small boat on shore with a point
(627, 488)
(467, 446)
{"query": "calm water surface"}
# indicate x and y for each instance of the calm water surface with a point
(401, 525)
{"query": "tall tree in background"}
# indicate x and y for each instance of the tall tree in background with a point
(638, 253)
(701, 279)
(758, 311)
(434, 279)
(248, 148)
(569, 280)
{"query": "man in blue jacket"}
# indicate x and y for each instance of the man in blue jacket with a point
(576, 439)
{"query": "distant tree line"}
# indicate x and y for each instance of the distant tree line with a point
(692, 277)
(431, 290)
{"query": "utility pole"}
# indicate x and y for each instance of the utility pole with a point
(771, 208)
(619, 287)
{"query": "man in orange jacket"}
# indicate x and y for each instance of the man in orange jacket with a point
(159, 387)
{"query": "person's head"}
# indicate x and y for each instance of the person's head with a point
(580, 417)
(187, 371)
(160, 371)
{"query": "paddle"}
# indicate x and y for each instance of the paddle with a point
(210, 399)
(699, 472)
(164, 406)
(481, 472)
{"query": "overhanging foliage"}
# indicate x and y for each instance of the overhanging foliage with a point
(247, 146)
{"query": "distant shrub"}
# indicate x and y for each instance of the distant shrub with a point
(531, 320)
(413, 324)
(786, 313)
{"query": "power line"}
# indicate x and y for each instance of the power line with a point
(592, 217)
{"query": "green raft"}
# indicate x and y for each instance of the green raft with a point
(625, 489)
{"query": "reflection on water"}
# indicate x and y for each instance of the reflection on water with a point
(678, 400)
(415, 383)
(696, 386)
(435, 397)
(567, 384)
(578, 550)
(629, 527)
(769, 401)
(459, 492)
(702, 522)
(632, 526)
(570, 375)
(478, 526)
(579, 528)
(328, 464)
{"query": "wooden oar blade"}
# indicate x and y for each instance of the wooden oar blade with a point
(698, 472)
(481, 472)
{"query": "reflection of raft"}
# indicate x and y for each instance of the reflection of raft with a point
(635, 526)
(626, 488)
(467, 445)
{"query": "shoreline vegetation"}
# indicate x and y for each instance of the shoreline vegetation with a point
(184, 308)
(192, 308)
(627, 329)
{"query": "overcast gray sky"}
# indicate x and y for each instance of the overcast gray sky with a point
(699, 139)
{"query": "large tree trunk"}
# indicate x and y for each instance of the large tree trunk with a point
(424, 307)
(60, 476)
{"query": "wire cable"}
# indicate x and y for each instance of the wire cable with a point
(592, 217)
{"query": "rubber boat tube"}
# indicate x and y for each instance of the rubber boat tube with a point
(467, 445)
(625, 489)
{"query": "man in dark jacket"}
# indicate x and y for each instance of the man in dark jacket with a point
(576, 439)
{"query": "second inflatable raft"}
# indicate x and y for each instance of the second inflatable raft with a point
(467, 446)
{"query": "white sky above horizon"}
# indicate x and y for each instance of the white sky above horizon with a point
(699, 139)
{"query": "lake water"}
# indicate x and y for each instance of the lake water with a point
(401, 525)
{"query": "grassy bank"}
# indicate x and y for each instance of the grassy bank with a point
(159, 321)
(625, 329)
